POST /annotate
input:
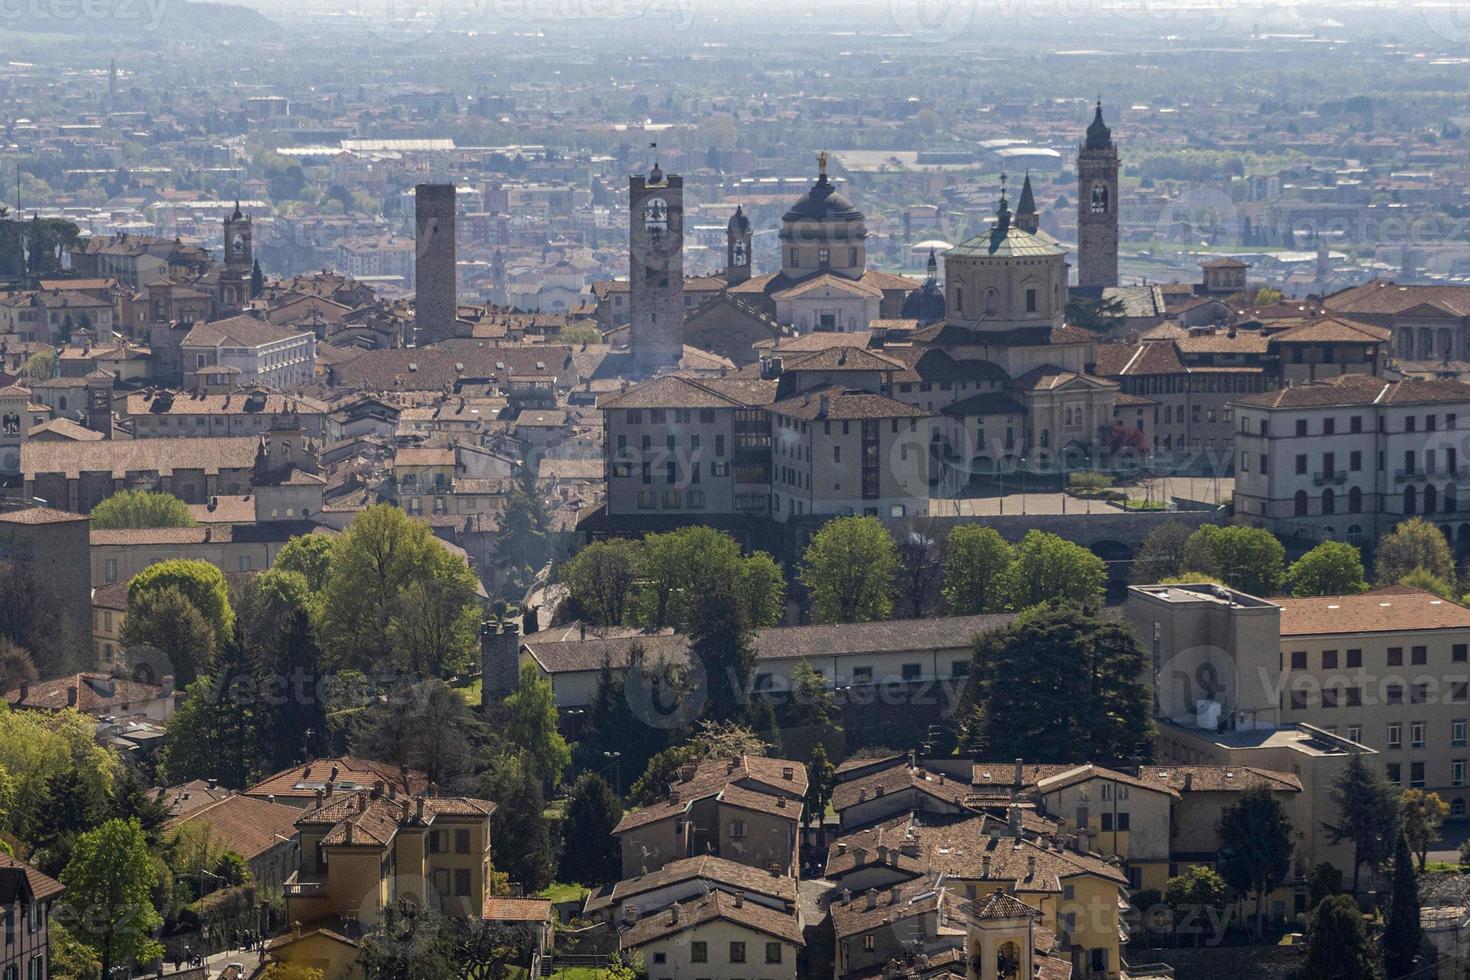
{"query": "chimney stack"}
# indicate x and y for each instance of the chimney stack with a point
(739, 899)
(1019, 779)
(985, 866)
(872, 897)
(71, 696)
(1188, 781)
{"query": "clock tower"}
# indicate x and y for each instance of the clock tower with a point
(656, 269)
(1097, 207)
(234, 278)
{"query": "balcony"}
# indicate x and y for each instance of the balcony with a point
(1332, 477)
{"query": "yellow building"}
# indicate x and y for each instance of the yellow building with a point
(719, 937)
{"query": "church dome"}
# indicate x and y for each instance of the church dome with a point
(822, 203)
(925, 304)
(1099, 136)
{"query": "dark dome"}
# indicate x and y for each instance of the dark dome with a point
(925, 304)
(1099, 136)
(739, 223)
(822, 203)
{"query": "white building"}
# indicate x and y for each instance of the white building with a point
(264, 354)
(1351, 457)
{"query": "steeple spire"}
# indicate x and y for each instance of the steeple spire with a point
(933, 267)
(1026, 218)
(1003, 210)
(1099, 136)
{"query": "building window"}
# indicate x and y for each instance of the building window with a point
(462, 881)
(773, 952)
(868, 943)
(699, 949)
(1457, 732)
(1416, 735)
(737, 952)
(1354, 658)
(911, 672)
(737, 829)
(1395, 772)
(1395, 656)
(1329, 659)
(1395, 735)
(1457, 772)
(461, 841)
(1416, 775)
(1298, 660)
(1418, 656)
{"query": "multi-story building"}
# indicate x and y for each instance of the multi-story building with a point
(1352, 457)
(264, 354)
(255, 411)
(26, 897)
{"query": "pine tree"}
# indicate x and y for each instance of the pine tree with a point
(721, 641)
(1338, 946)
(1367, 813)
(1401, 932)
(519, 824)
(821, 777)
(590, 855)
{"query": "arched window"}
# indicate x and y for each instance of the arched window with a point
(1411, 501)
(1354, 533)
(1450, 502)
(1431, 499)
(1329, 501)
(1099, 198)
(992, 299)
(1355, 500)
(1301, 503)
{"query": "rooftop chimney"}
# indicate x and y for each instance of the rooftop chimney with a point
(1020, 778)
(893, 895)
(419, 808)
(1030, 866)
(872, 895)
(985, 866)
(1014, 815)
(739, 899)
(71, 696)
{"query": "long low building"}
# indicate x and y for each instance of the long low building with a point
(845, 654)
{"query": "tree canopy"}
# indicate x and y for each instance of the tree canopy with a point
(108, 903)
(200, 582)
(1331, 568)
(1249, 559)
(1413, 544)
(849, 567)
(1048, 567)
(976, 571)
(141, 509)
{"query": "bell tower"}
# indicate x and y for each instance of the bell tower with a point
(234, 278)
(737, 248)
(1097, 207)
(656, 269)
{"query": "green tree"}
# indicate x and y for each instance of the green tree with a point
(216, 733)
(38, 747)
(519, 827)
(810, 715)
(1422, 578)
(70, 959)
(299, 714)
(1331, 568)
(16, 667)
(411, 943)
(1421, 815)
(1413, 544)
(601, 578)
(1099, 315)
(761, 587)
(164, 619)
(677, 568)
(200, 582)
(257, 279)
(532, 726)
(108, 903)
(975, 578)
(1049, 567)
(1324, 882)
(721, 642)
(435, 626)
(1198, 899)
(308, 554)
(611, 724)
(849, 567)
(590, 855)
(1255, 846)
(821, 779)
(29, 619)
(141, 509)
(40, 366)
(1367, 814)
(373, 563)
(1401, 932)
(1060, 684)
(1337, 944)
(524, 544)
(427, 726)
(73, 803)
(1249, 559)
(1161, 555)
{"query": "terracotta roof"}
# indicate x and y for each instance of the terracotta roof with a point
(998, 905)
(245, 402)
(669, 391)
(96, 692)
(986, 403)
(774, 643)
(851, 913)
(40, 515)
(1201, 779)
(841, 358)
(1331, 329)
(12, 870)
(241, 331)
(112, 596)
(832, 281)
(755, 783)
(1384, 297)
(720, 871)
(245, 825)
(352, 772)
(516, 909)
(1388, 610)
(886, 782)
(66, 429)
(715, 906)
(1359, 389)
(1088, 771)
(934, 365)
(120, 457)
(823, 404)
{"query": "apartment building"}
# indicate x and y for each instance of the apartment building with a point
(1350, 458)
(263, 353)
(26, 898)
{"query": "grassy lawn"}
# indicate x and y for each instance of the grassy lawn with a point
(579, 973)
(562, 892)
(471, 692)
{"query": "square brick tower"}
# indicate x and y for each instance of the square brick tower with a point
(656, 269)
(435, 286)
(1097, 207)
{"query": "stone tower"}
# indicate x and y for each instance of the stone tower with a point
(656, 269)
(436, 289)
(737, 248)
(1097, 207)
(234, 278)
